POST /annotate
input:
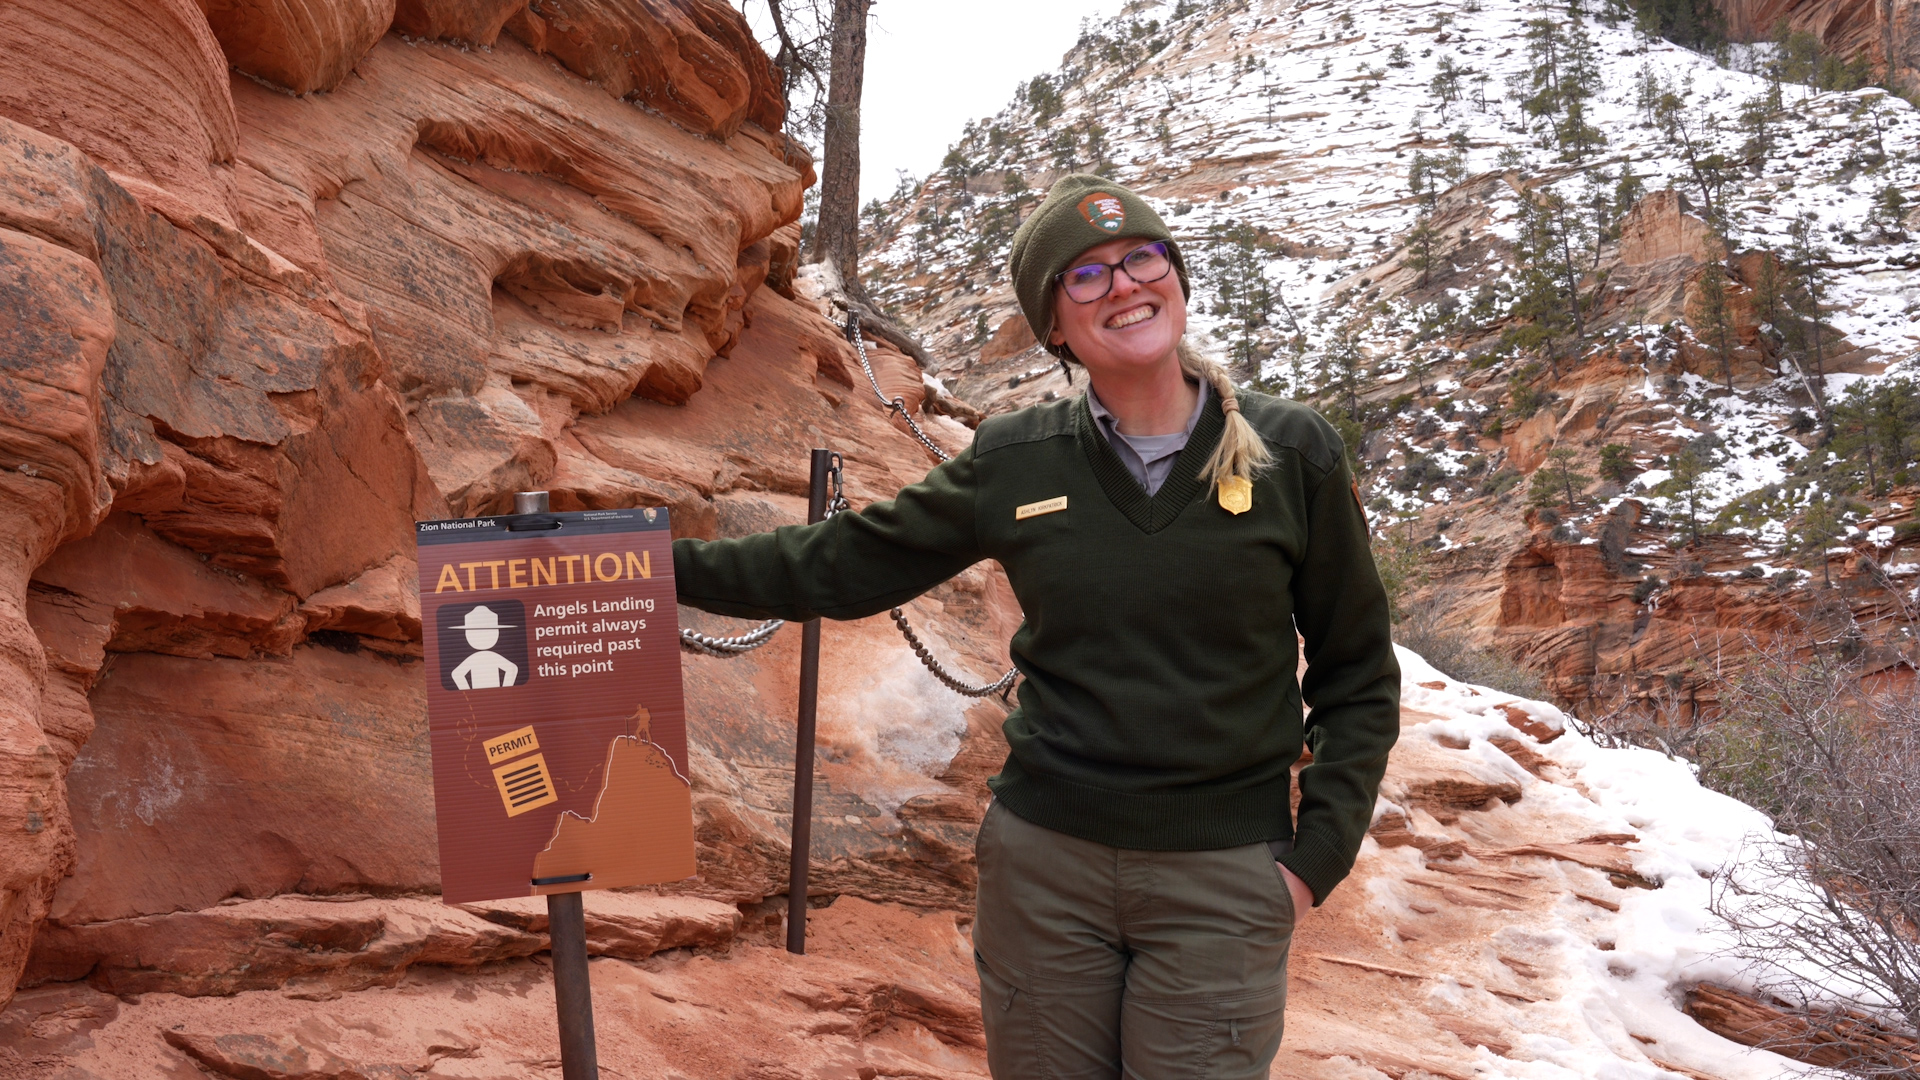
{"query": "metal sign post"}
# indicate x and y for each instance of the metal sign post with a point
(822, 465)
(567, 936)
(572, 992)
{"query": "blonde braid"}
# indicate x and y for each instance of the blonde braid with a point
(1242, 452)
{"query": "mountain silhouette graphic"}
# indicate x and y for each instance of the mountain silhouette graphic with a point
(641, 831)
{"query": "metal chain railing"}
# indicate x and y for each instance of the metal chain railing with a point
(837, 502)
(898, 405)
(696, 641)
(998, 686)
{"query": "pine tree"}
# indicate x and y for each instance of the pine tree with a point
(1889, 212)
(1691, 24)
(1820, 528)
(1580, 84)
(1692, 134)
(1341, 366)
(1806, 302)
(1420, 242)
(1872, 118)
(1425, 177)
(1759, 118)
(1554, 249)
(1043, 97)
(1616, 463)
(1687, 483)
(1713, 315)
(1564, 76)
(1876, 433)
(1402, 567)
(1770, 289)
(1627, 192)
(1557, 483)
(837, 234)
(1647, 90)
(1446, 83)
(1244, 301)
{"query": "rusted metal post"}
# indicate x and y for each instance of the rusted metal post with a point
(572, 992)
(803, 744)
(567, 935)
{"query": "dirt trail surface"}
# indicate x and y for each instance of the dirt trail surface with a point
(1524, 907)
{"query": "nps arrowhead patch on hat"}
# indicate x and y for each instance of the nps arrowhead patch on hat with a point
(1103, 211)
(1081, 212)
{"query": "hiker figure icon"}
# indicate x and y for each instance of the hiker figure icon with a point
(484, 669)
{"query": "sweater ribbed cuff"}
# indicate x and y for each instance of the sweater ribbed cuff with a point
(1318, 861)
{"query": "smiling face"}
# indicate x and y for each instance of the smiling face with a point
(1132, 329)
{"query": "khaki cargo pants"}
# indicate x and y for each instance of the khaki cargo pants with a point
(1098, 963)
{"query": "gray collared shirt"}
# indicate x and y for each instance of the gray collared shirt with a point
(1149, 458)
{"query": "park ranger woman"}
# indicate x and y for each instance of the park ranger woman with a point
(1141, 867)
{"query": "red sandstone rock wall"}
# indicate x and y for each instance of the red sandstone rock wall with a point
(247, 336)
(1873, 28)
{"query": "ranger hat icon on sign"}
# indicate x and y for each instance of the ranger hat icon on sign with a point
(484, 669)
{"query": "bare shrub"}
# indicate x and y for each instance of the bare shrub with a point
(1829, 918)
(1662, 719)
(1423, 629)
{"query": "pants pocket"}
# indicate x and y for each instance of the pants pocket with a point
(1048, 1029)
(1011, 1049)
(1285, 893)
(1219, 1040)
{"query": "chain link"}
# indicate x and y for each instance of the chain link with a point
(998, 686)
(898, 405)
(837, 503)
(695, 641)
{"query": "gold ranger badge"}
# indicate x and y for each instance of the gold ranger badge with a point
(1236, 494)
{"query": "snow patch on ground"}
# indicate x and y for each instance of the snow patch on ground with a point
(1664, 939)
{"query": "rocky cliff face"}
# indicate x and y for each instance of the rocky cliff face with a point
(280, 279)
(1878, 30)
(1526, 900)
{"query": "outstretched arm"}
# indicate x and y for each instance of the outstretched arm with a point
(847, 567)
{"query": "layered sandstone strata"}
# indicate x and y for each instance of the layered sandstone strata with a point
(1874, 29)
(253, 334)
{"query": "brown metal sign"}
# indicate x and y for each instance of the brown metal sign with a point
(554, 703)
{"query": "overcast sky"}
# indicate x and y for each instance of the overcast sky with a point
(932, 65)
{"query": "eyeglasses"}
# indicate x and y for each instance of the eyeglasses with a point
(1085, 284)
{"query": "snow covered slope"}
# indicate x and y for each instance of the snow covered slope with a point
(1299, 119)
(1360, 192)
(1530, 904)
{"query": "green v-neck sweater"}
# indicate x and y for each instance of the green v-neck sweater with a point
(1159, 709)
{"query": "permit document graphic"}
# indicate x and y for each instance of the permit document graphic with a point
(554, 703)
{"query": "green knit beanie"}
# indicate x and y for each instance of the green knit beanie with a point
(1082, 211)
